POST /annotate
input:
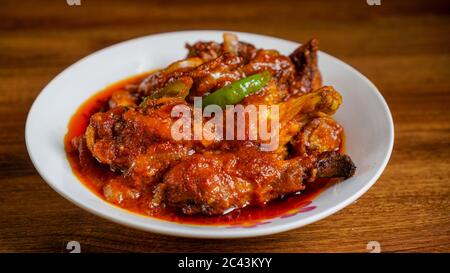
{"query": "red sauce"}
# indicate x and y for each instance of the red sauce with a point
(96, 175)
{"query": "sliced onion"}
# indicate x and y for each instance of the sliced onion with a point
(230, 43)
(188, 63)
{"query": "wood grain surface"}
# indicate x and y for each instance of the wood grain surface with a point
(402, 46)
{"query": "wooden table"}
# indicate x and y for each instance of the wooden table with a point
(403, 47)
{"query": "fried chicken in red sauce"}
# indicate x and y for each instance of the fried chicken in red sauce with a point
(131, 135)
(218, 183)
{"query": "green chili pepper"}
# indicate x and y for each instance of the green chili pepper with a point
(178, 89)
(237, 91)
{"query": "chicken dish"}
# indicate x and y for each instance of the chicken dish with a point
(121, 142)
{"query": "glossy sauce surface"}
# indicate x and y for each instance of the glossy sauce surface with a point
(95, 176)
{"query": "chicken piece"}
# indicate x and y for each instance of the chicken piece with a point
(297, 111)
(325, 99)
(208, 51)
(246, 51)
(218, 183)
(137, 141)
(288, 131)
(122, 98)
(147, 168)
(321, 134)
(117, 137)
(334, 164)
(203, 184)
(269, 95)
(278, 65)
(307, 75)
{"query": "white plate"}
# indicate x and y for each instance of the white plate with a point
(364, 115)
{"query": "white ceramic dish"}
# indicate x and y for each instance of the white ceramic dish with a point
(364, 115)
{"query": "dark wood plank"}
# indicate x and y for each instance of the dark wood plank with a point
(402, 46)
